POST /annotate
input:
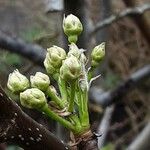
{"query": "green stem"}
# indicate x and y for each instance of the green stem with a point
(90, 73)
(54, 97)
(72, 97)
(85, 113)
(83, 108)
(61, 120)
(63, 90)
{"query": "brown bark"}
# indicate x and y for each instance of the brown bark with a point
(85, 141)
(18, 128)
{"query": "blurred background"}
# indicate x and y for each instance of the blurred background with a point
(119, 101)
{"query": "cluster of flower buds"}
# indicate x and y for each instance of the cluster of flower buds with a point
(31, 93)
(70, 71)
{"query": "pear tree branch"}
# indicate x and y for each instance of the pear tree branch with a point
(107, 98)
(127, 12)
(18, 128)
(16, 45)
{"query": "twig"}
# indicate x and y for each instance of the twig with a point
(127, 12)
(19, 129)
(110, 97)
(105, 125)
(142, 141)
(28, 50)
(141, 21)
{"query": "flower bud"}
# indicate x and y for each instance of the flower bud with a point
(48, 66)
(98, 52)
(72, 27)
(56, 55)
(73, 50)
(33, 98)
(40, 81)
(17, 82)
(71, 68)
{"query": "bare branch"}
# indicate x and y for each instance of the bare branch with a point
(104, 126)
(18, 128)
(127, 12)
(17, 45)
(107, 98)
(142, 140)
(141, 21)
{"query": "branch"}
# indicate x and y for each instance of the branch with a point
(141, 21)
(127, 12)
(16, 45)
(18, 128)
(107, 98)
(142, 140)
(104, 126)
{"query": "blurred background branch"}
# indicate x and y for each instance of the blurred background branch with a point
(135, 11)
(107, 98)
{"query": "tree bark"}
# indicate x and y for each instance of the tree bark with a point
(19, 129)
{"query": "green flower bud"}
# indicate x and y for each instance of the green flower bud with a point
(48, 66)
(73, 50)
(71, 68)
(17, 82)
(33, 98)
(56, 55)
(98, 52)
(72, 27)
(40, 81)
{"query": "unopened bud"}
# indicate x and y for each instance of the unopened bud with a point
(98, 53)
(72, 27)
(71, 68)
(48, 66)
(56, 55)
(73, 50)
(17, 82)
(33, 98)
(40, 81)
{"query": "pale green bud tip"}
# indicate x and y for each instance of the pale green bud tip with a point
(48, 66)
(33, 98)
(73, 50)
(71, 68)
(98, 52)
(72, 27)
(17, 82)
(56, 55)
(40, 81)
